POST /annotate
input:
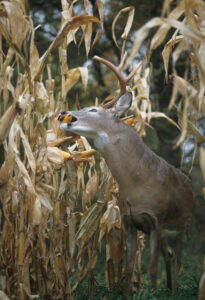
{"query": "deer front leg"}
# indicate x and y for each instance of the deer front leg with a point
(131, 248)
(154, 254)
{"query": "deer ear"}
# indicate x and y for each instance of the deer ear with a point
(123, 104)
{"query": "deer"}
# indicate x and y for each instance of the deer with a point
(154, 196)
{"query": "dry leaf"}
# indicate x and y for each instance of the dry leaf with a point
(54, 155)
(3, 296)
(41, 103)
(91, 187)
(111, 217)
(101, 11)
(7, 120)
(202, 161)
(25, 175)
(167, 52)
(128, 25)
(73, 76)
(161, 33)
(15, 16)
(37, 213)
(69, 25)
(141, 34)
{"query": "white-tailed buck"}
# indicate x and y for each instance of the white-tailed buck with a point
(155, 197)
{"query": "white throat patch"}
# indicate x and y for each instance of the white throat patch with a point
(101, 140)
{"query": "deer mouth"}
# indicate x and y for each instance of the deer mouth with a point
(65, 117)
(66, 120)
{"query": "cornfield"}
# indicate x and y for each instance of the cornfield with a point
(59, 200)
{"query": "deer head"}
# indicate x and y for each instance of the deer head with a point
(92, 122)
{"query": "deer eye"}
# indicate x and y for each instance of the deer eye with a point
(93, 110)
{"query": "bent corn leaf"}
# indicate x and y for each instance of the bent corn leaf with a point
(128, 25)
(69, 25)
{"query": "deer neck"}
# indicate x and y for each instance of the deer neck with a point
(122, 150)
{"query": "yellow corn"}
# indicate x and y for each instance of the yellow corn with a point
(87, 153)
(65, 154)
(129, 121)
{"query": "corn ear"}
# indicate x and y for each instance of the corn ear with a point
(60, 141)
(67, 119)
(87, 153)
(57, 156)
(65, 154)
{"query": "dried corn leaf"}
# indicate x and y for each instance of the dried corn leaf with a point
(87, 37)
(27, 148)
(141, 35)
(128, 25)
(184, 87)
(166, 7)
(73, 77)
(87, 7)
(36, 212)
(89, 217)
(7, 120)
(72, 24)
(192, 129)
(55, 156)
(59, 141)
(7, 168)
(91, 187)
(72, 229)
(167, 52)
(34, 55)
(202, 161)
(101, 11)
(44, 200)
(187, 31)
(3, 296)
(162, 115)
(25, 175)
(161, 33)
(16, 16)
(86, 271)
(42, 102)
(111, 217)
(131, 11)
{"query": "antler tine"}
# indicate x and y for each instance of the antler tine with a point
(134, 70)
(122, 62)
(118, 72)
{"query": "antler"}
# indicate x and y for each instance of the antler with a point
(118, 72)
